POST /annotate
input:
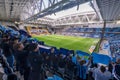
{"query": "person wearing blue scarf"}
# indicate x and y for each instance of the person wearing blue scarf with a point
(74, 59)
(82, 69)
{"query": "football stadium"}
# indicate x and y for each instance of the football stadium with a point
(59, 39)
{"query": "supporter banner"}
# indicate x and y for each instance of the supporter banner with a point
(57, 77)
(92, 49)
(64, 51)
(45, 47)
(100, 58)
(114, 59)
(42, 50)
(81, 53)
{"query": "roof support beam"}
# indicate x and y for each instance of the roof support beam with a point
(40, 8)
(57, 4)
(96, 8)
(6, 8)
(55, 8)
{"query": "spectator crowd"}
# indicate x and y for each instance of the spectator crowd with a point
(25, 58)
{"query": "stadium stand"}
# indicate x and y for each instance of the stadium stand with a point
(94, 32)
(59, 39)
(63, 64)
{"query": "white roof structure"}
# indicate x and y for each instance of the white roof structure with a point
(83, 8)
(32, 10)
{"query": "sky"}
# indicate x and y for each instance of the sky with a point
(82, 8)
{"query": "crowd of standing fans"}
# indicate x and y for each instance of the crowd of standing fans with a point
(115, 45)
(26, 59)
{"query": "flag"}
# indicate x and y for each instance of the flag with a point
(81, 53)
(100, 58)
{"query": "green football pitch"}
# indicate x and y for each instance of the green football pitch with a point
(68, 42)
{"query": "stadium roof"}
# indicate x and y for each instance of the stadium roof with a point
(28, 10)
(85, 7)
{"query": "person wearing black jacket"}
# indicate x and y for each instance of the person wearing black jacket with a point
(13, 41)
(5, 65)
(22, 63)
(12, 77)
(7, 51)
(53, 59)
(51, 55)
(116, 69)
(61, 63)
(36, 62)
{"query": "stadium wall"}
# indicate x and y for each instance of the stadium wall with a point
(93, 25)
(108, 25)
